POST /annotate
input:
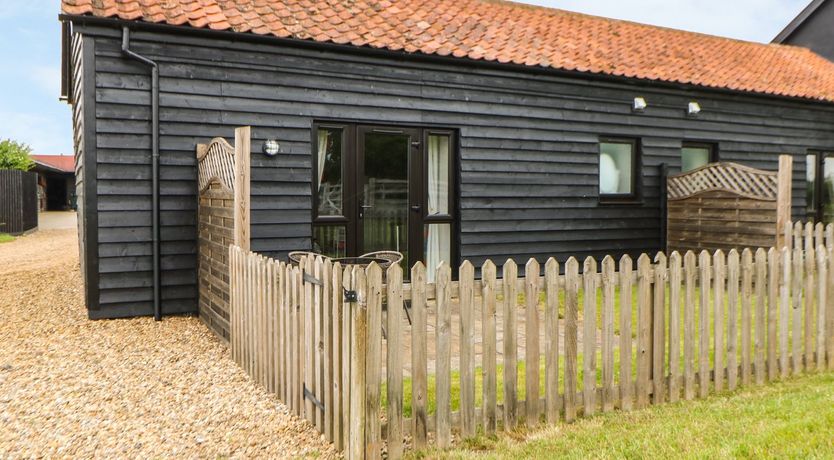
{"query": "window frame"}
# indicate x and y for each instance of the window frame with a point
(351, 145)
(452, 193)
(819, 162)
(348, 185)
(636, 173)
(711, 146)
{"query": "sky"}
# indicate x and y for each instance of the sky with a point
(30, 39)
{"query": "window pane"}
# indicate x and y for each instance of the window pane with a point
(615, 164)
(694, 157)
(438, 175)
(329, 172)
(438, 240)
(329, 240)
(811, 184)
(827, 197)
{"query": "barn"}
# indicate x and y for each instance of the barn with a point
(56, 181)
(447, 130)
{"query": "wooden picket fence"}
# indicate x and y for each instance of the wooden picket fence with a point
(287, 333)
(338, 345)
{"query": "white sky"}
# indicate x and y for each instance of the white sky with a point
(30, 46)
(754, 20)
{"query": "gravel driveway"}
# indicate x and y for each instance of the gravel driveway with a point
(70, 387)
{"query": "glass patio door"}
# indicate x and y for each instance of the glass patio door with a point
(382, 188)
(388, 179)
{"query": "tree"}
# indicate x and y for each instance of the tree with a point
(15, 155)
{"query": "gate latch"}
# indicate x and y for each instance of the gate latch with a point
(350, 296)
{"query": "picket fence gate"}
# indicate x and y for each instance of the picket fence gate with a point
(337, 344)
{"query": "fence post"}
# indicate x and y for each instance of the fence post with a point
(241, 213)
(659, 329)
(358, 345)
(443, 365)
(394, 280)
(783, 198)
(373, 362)
(644, 320)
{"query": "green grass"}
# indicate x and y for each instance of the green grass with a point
(521, 380)
(5, 238)
(789, 419)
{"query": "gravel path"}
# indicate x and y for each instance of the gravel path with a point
(70, 387)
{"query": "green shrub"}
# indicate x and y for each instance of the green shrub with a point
(15, 155)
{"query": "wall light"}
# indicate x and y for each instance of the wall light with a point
(271, 147)
(693, 109)
(639, 104)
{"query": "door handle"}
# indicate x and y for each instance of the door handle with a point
(367, 206)
(416, 208)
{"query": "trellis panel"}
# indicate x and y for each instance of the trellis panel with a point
(726, 206)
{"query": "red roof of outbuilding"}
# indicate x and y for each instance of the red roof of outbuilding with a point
(506, 32)
(65, 163)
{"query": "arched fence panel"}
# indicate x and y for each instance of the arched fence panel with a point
(223, 220)
(728, 206)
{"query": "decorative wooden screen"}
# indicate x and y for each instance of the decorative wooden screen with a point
(728, 205)
(223, 181)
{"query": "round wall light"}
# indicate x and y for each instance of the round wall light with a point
(271, 147)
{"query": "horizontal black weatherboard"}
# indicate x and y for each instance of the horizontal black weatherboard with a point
(528, 147)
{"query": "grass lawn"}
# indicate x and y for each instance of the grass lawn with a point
(790, 419)
(521, 380)
(5, 238)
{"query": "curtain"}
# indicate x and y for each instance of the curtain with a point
(438, 247)
(438, 175)
(609, 174)
(437, 236)
(322, 156)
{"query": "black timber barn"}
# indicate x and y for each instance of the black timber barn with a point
(544, 157)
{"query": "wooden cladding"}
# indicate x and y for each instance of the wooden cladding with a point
(223, 209)
(728, 206)
(18, 202)
(342, 346)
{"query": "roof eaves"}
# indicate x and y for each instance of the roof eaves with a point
(367, 49)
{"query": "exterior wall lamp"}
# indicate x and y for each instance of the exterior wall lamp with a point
(639, 105)
(271, 147)
(693, 109)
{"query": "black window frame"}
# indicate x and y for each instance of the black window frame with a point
(819, 162)
(348, 185)
(636, 172)
(711, 146)
(350, 177)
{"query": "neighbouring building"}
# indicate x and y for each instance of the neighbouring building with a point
(56, 182)
(446, 129)
(814, 28)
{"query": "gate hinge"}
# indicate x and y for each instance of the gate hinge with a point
(312, 279)
(309, 395)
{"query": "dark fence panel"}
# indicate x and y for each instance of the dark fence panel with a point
(18, 201)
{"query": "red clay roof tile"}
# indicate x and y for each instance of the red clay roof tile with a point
(64, 163)
(497, 30)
